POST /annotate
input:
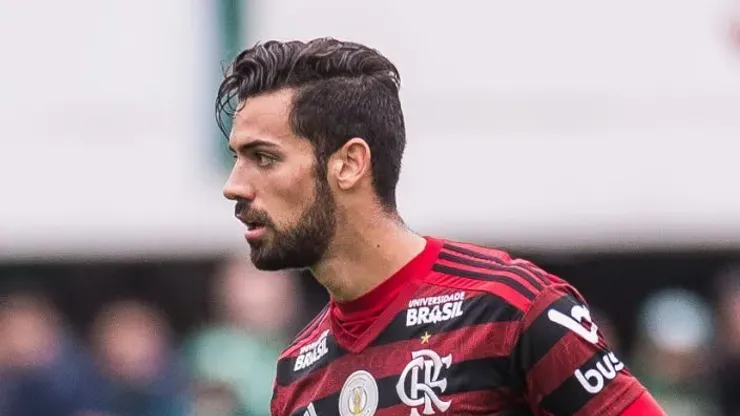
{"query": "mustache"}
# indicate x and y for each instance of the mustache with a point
(244, 212)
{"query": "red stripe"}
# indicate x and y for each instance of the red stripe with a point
(486, 251)
(307, 339)
(544, 276)
(542, 304)
(502, 290)
(311, 325)
(503, 272)
(557, 365)
(494, 339)
(308, 329)
(520, 265)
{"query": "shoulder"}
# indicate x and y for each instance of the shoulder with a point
(298, 359)
(308, 334)
(516, 282)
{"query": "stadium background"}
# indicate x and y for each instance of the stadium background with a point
(599, 139)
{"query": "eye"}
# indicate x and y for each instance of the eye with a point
(264, 160)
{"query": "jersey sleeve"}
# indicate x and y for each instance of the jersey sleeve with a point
(563, 363)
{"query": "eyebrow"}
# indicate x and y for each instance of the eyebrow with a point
(252, 145)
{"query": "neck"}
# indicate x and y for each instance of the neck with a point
(365, 254)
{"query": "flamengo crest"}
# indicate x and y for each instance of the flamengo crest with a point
(420, 383)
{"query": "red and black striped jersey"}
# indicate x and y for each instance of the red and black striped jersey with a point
(475, 333)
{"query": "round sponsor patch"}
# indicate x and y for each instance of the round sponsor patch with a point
(359, 396)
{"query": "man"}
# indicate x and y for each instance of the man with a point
(416, 325)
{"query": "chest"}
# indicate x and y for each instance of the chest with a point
(411, 370)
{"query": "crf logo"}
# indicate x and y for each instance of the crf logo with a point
(420, 383)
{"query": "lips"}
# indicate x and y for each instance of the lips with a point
(256, 227)
(254, 231)
(251, 220)
(251, 225)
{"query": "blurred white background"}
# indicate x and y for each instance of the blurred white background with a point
(559, 125)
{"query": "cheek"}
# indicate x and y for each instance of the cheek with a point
(296, 193)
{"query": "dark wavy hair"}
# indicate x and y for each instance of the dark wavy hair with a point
(343, 90)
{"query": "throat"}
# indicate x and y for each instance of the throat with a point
(349, 272)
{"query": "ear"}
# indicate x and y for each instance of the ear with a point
(350, 163)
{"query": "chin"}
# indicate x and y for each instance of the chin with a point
(267, 267)
(269, 262)
(272, 261)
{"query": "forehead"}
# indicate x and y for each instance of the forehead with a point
(265, 118)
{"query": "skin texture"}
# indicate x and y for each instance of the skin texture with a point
(333, 224)
(274, 184)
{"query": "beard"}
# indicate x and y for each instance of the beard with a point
(301, 245)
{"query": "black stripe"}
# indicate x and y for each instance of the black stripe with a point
(478, 310)
(480, 374)
(571, 396)
(467, 376)
(537, 340)
(485, 276)
(473, 253)
(286, 375)
(519, 271)
(481, 309)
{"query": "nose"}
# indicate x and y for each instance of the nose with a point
(237, 187)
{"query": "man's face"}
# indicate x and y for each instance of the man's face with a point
(287, 208)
